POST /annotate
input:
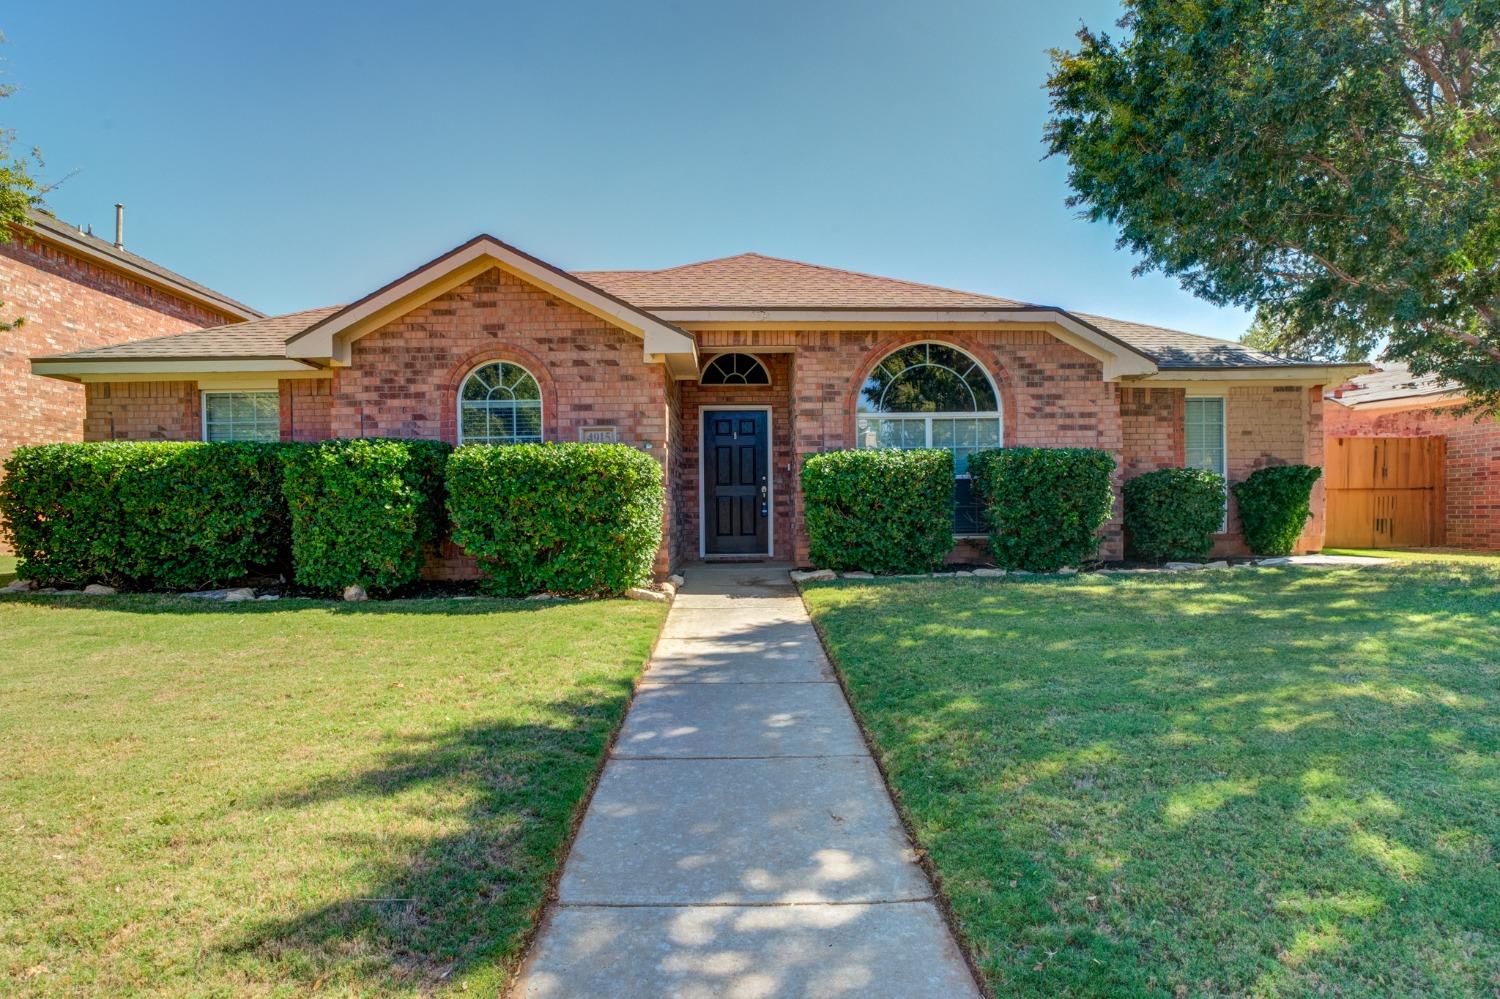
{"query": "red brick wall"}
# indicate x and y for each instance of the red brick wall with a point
(143, 411)
(1052, 394)
(404, 378)
(1472, 472)
(1152, 422)
(777, 395)
(1273, 425)
(68, 304)
(306, 409)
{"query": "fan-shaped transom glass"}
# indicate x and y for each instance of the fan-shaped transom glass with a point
(735, 369)
(928, 378)
(499, 403)
(933, 395)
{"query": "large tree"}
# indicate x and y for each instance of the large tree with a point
(1334, 163)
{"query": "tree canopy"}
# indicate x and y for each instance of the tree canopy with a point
(1333, 163)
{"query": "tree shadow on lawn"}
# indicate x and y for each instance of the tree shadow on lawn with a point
(168, 604)
(457, 903)
(1262, 784)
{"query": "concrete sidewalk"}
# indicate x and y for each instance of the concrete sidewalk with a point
(741, 842)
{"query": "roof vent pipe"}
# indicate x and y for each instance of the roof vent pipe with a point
(119, 226)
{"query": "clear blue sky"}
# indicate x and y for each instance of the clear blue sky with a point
(297, 154)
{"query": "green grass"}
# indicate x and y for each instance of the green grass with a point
(1423, 555)
(293, 798)
(1240, 783)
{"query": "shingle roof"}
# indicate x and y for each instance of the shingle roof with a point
(1391, 383)
(748, 281)
(1178, 350)
(53, 228)
(755, 281)
(258, 338)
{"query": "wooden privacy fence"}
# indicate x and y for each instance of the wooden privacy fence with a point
(1385, 492)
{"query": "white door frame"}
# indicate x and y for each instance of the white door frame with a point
(770, 477)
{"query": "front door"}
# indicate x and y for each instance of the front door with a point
(736, 490)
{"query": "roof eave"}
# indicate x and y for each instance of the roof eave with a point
(1285, 374)
(225, 307)
(76, 369)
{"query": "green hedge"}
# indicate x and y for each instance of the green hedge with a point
(1044, 506)
(146, 514)
(557, 518)
(881, 511)
(362, 510)
(1173, 513)
(1274, 506)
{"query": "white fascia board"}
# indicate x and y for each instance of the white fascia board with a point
(167, 370)
(1331, 374)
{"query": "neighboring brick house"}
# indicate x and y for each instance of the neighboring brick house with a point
(75, 292)
(729, 371)
(1392, 402)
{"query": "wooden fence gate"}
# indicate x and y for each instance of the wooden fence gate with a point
(1385, 492)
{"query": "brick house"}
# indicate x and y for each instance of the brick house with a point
(77, 292)
(729, 371)
(1392, 402)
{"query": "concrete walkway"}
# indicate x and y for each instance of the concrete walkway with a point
(741, 842)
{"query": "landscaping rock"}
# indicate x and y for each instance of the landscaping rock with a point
(1276, 560)
(668, 587)
(242, 593)
(268, 596)
(1067, 570)
(20, 586)
(639, 593)
(857, 574)
(813, 575)
(963, 572)
(1184, 566)
(355, 593)
(1220, 564)
(676, 580)
(100, 590)
(543, 596)
(989, 573)
(1022, 572)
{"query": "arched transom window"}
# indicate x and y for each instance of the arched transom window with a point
(499, 403)
(933, 395)
(735, 369)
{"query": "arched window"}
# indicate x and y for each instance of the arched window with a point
(499, 403)
(735, 369)
(933, 395)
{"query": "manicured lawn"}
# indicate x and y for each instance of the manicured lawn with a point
(293, 798)
(1423, 555)
(1240, 783)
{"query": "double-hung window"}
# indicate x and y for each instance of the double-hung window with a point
(241, 416)
(1204, 438)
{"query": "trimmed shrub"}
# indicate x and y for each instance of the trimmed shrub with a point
(1173, 513)
(1043, 505)
(882, 511)
(362, 510)
(1274, 506)
(557, 518)
(146, 514)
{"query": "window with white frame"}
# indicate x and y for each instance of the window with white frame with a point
(500, 403)
(241, 416)
(933, 395)
(1204, 439)
(1204, 436)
